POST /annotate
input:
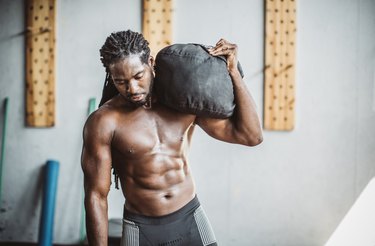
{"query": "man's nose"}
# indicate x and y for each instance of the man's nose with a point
(133, 87)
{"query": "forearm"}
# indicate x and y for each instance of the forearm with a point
(243, 127)
(245, 118)
(96, 220)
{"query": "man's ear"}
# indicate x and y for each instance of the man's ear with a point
(151, 61)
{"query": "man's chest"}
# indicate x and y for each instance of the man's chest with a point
(152, 131)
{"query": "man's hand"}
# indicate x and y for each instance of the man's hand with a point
(229, 50)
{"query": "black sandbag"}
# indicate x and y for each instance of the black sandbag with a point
(190, 80)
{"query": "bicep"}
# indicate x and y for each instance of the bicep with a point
(96, 161)
(221, 129)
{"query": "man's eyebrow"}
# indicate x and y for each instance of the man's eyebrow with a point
(139, 72)
(136, 74)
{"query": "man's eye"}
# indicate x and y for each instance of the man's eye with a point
(119, 82)
(139, 76)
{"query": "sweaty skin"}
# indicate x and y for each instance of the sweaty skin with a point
(148, 146)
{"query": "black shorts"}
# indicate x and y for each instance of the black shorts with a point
(187, 226)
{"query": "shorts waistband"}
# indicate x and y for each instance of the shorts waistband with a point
(189, 208)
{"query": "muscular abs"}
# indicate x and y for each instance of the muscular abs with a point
(149, 149)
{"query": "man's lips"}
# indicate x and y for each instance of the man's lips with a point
(137, 97)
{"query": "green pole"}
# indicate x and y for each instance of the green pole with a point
(92, 106)
(2, 158)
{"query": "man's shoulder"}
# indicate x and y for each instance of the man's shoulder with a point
(103, 119)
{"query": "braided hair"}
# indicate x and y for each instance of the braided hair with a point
(117, 46)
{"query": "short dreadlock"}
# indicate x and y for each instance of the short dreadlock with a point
(117, 46)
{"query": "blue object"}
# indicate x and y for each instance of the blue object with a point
(51, 172)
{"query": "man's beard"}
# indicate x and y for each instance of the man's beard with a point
(139, 103)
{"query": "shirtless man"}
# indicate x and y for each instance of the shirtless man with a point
(147, 145)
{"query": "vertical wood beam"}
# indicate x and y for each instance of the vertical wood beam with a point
(157, 23)
(279, 84)
(40, 63)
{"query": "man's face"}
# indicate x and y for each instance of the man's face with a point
(133, 79)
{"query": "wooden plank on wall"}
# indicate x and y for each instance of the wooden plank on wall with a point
(279, 84)
(40, 63)
(157, 23)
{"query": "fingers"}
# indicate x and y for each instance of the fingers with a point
(221, 41)
(223, 47)
(229, 50)
(225, 51)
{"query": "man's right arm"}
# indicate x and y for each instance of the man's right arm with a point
(96, 165)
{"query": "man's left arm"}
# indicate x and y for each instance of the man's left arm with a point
(243, 127)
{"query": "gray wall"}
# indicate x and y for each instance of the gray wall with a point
(292, 190)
